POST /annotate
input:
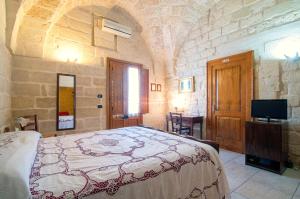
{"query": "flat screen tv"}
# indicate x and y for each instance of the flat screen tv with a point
(269, 109)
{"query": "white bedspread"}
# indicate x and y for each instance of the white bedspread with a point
(127, 163)
(17, 154)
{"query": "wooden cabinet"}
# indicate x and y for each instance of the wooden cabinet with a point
(266, 146)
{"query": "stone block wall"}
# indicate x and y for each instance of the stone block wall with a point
(34, 79)
(5, 72)
(236, 26)
(34, 82)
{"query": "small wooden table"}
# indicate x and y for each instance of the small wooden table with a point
(190, 121)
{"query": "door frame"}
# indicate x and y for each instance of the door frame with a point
(108, 90)
(249, 59)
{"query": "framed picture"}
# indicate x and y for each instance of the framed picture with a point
(153, 87)
(186, 85)
(158, 87)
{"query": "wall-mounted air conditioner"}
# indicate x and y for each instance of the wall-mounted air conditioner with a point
(116, 28)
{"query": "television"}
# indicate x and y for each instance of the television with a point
(269, 109)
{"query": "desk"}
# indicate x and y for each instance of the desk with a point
(190, 121)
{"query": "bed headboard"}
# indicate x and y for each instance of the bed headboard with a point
(213, 144)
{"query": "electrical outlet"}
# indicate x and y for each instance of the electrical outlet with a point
(99, 106)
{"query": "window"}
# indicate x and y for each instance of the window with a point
(128, 93)
(133, 91)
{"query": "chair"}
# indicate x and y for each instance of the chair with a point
(177, 126)
(6, 130)
(31, 123)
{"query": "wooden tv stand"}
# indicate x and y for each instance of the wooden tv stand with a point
(266, 146)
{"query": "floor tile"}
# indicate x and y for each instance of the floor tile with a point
(239, 160)
(268, 185)
(261, 191)
(248, 182)
(235, 195)
(297, 193)
(237, 174)
(227, 156)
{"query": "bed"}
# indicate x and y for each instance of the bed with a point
(132, 162)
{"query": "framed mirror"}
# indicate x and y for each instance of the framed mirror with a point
(66, 102)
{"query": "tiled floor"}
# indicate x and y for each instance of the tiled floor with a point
(251, 183)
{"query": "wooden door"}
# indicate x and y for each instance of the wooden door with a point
(230, 91)
(118, 94)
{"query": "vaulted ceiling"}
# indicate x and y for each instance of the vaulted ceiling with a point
(165, 23)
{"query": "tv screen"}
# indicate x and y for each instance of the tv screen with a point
(271, 109)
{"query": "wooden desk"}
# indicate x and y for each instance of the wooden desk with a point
(190, 121)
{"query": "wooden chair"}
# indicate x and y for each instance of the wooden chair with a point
(32, 125)
(6, 130)
(177, 126)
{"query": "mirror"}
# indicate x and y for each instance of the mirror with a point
(66, 103)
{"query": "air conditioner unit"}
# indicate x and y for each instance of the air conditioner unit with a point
(116, 28)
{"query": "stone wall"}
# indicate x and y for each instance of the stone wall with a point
(5, 73)
(34, 92)
(236, 26)
(34, 79)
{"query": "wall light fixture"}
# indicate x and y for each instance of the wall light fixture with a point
(287, 48)
(68, 54)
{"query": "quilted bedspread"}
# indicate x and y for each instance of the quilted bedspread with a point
(129, 163)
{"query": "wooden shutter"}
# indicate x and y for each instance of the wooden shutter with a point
(144, 91)
(116, 102)
(118, 94)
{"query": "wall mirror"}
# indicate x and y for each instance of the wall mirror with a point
(66, 102)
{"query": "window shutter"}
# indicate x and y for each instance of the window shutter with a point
(144, 91)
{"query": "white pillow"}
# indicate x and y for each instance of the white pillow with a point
(17, 154)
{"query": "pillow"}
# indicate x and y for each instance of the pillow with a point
(17, 154)
(63, 113)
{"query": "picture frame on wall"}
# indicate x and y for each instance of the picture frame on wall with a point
(158, 87)
(153, 87)
(186, 85)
